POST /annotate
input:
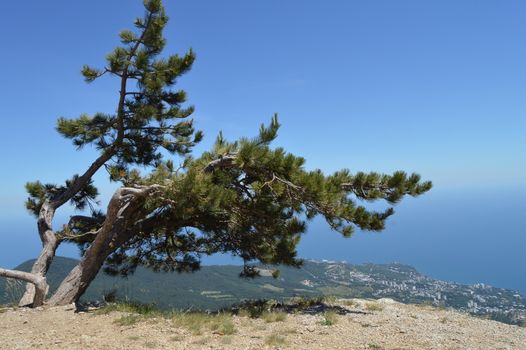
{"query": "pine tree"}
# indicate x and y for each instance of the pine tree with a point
(243, 197)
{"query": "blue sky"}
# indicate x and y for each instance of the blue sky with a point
(436, 87)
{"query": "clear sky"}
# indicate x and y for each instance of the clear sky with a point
(436, 87)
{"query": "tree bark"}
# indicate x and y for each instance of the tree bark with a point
(125, 212)
(225, 161)
(49, 246)
(38, 282)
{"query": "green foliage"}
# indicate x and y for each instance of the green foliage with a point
(150, 117)
(250, 200)
(90, 74)
(38, 193)
(330, 318)
(256, 308)
(146, 117)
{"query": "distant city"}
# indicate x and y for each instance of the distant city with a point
(407, 285)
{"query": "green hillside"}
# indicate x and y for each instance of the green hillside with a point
(210, 288)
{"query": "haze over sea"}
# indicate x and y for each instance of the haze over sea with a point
(436, 88)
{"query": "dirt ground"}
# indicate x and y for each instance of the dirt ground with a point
(375, 325)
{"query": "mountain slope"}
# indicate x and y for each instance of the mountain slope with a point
(215, 287)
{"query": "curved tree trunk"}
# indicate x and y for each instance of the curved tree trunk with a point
(79, 279)
(49, 246)
(124, 216)
(39, 284)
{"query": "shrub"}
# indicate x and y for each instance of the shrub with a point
(329, 318)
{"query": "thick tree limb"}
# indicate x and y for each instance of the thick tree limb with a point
(49, 246)
(37, 281)
(226, 161)
(125, 209)
(82, 219)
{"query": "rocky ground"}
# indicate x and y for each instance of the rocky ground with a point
(356, 324)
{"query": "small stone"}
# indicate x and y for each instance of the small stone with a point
(85, 338)
(70, 307)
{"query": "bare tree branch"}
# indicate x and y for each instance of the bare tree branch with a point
(226, 161)
(39, 282)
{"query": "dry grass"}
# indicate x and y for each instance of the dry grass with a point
(135, 312)
(226, 340)
(196, 323)
(330, 299)
(259, 327)
(374, 306)
(289, 331)
(177, 338)
(427, 305)
(202, 341)
(150, 344)
(301, 330)
(348, 302)
(128, 320)
(275, 339)
(132, 308)
(274, 316)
